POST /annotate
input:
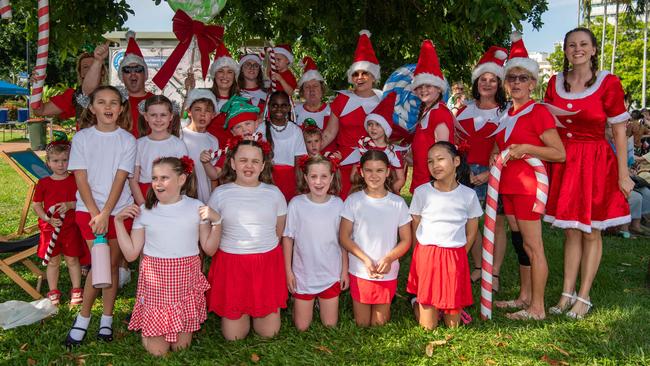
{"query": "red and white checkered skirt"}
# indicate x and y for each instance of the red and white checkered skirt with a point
(170, 297)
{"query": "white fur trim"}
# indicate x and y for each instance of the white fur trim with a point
(250, 57)
(559, 86)
(599, 225)
(488, 67)
(365, 32)
(623, 117)
(429, 79)
(284, 52)
(525, 63)
(200, 93)
(368, 66)
(379, 119)
(500, 55)
(224, 61)
(310, 75)
(132, 59)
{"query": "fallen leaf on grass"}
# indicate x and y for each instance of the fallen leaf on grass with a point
(501, 344)
(105, 354)
(31, 361)
(559, 350)
(553, 362)
(23, 348)
(490, 361)
(323, 349)
(449, 337)
(255, 358)
(432, 345)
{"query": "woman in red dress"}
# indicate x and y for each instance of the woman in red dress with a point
(588, 192)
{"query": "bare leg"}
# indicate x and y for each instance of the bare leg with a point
(500, 241)
(380, 314)
(268, 326)
(90, 293)
(523, 300)
(477, 251)
(184, 341)
(303, 312)
(52, 272)
(428, 317)
(110, 293)
(329, 311)
(572, 254)
(157, 346)
(534, 246)
(362, 313)
(236, 329)
(592, 252)
(452, 320)
(74, 269)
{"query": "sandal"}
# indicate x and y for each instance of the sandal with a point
(574, 315)
(473, 278)
(71, 342)
(105, 337)
(524, 315)
(54, 296)
(76, 296)
(557, 309)
(511, 304)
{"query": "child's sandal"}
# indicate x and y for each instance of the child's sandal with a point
(54, 296)
(71, 342)
(76, 296)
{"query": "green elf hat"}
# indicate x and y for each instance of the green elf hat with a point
(238, 110)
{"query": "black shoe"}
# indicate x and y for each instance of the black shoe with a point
(71, 342)
(105, 337)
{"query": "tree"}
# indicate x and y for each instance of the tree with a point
(328, 30)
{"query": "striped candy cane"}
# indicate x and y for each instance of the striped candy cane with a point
(5, 9)
(55, 234)
(274, 68)
(490, 221)
(41, 53)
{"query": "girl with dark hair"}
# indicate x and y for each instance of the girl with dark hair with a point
(251, 80)
(588, 192)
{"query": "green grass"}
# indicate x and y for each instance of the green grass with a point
(616, 333)
(13, 135)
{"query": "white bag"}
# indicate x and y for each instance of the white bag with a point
(16, 313)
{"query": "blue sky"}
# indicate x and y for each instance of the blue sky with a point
(560, 18)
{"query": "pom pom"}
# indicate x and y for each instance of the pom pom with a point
(188, 164)
(500, 55)
(515, 36)
(365, 32)
(130, 34)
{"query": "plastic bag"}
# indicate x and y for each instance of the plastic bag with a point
(16, 313)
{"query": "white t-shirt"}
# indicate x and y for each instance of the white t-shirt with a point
(444, 215)
(102, 154)
(286, 144)
(170, 231)
(150, 150)
(376, 222)
(249, 217)
(196, 142)
(316, 251)
(319, 116)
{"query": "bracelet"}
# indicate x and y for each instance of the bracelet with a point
(215, 223)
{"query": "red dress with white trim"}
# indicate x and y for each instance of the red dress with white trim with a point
(425, 137)
(479, 125)
(584, 192)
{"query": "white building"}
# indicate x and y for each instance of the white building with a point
(544, 65)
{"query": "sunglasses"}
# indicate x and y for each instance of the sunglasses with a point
(138, 69)
(514, 78)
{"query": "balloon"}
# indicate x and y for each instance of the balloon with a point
(407, 105)
(202, 10)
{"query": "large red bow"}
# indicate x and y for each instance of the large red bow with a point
(207, 38)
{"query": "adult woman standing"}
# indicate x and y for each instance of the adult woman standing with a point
(251, 81)
(588, 191)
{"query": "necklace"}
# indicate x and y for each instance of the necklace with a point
(279, 129)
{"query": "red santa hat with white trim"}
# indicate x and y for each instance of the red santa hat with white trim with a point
(383, 114)
(223, 59)
(492, 61)
(252, 57)
(519, 56)
(364, 57)
(284, 50)
(427, 71)
(310, 71)
(132, 55)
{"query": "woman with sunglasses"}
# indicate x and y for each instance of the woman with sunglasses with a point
(588, 192)
(527, 129)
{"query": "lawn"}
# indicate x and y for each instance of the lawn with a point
(615, 333)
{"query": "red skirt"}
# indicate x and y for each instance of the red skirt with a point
(584, 191)
(284, 176)
(144, 187)
(372, 292)
(440, 277)
(247, 284)
(170, 297)
(69, 241)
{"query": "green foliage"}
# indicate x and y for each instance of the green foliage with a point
(556, 58)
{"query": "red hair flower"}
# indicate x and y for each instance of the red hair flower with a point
(188, 164)
(302, 161)
(334, 161)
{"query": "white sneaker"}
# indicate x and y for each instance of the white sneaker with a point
(125, 276)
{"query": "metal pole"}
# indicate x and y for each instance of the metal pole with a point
(645, 57)
(602, 39)
(615, 38)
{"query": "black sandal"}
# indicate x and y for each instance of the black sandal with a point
(71, 342)
(105, 337)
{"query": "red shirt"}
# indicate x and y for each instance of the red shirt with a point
(287, 75)
(134, 102)
(517, 177)
(479, 141)
(215, 128)
(51, 191)
(351, 119)
(65, 102)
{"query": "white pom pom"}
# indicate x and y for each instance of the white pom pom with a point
(365, 32)
(515, 36)
(500, 55)
(130, 34)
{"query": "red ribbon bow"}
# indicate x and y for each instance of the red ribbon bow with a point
(334, 161)
(207, 37)
(188, 164)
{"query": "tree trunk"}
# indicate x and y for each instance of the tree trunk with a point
(645, 57)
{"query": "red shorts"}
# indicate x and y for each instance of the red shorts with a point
(329, 293)
(372, 292)
(284, 177)
(69, 241)
(144, 187)
(83, 218)
(520, 206)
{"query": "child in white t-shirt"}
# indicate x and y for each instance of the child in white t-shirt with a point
(375, 231)
(445, 220)
(315, 263)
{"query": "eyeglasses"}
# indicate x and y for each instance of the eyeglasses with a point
(521, 78)
(283, 105)
(251, 65)
(138, 69)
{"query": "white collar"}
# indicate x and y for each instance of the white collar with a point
(508, 122)
(480, 116)
(355, 101)
(559, 86)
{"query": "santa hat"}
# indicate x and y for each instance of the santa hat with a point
(252, 57)
(200, 93)
(364, 57)
(519, 56)
(383, 114)
(310, 71)
(132, 55)
(492, 61)
(285, 50)
(427, 71)
(223, 59)
(238, 110)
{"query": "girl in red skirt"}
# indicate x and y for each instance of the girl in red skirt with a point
(445, 221)
(247, 275)
(375, 231)
(170, 301)
(287, 141)
(316, 266)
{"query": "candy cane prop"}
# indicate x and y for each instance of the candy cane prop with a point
(490, 221)
(41, 53)
(274, 68)
(5, 9)
(55, 234)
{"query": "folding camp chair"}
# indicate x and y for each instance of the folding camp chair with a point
(23, 249)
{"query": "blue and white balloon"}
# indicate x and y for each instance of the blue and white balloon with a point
(407, 105)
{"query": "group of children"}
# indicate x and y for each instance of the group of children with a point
(308, 207)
